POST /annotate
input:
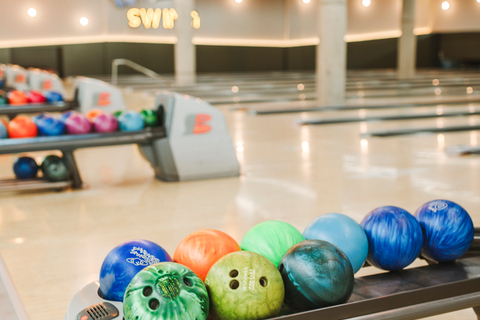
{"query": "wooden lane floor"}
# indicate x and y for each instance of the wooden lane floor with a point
(53, 243)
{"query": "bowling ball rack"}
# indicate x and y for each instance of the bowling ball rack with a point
(67, 144)
(12, 111)
(410, 294)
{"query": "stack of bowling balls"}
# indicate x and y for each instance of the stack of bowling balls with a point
(53, 168)
(277, 269)
(73, 122)
(18, 97)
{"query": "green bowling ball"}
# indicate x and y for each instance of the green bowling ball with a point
(244, 285)
(118, 113)
(149, 117)
(55, 168)
(271, 239)
(164, 291)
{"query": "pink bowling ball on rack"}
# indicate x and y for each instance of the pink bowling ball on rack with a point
(105, 122)
(77, 123)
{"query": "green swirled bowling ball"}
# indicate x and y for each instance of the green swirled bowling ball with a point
(166, 290)
(271, 239)
(244, 285)
(149, 117)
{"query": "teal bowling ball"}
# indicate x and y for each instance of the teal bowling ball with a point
(55, 169)
(130, 121)
(343, 232)
(165, 291)
(316, 274)
(123, 262)
(3, 131)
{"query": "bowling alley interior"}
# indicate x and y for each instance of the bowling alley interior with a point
(239, 159)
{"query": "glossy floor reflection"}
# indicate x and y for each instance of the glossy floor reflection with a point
(53, 243)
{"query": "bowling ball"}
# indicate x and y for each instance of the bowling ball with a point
(25, 168)
(165, 291)
(22, 127)
(105, 122)
(93, 113)
(123, 262)
(394, 237)
(201, 249)
(3, 98)
(447, 230)
(343, 232)
(53, 97)
(149, 117)
(17, 97)
(130, 121)
(55, 168)
(316, 274)
(271, 239)
(244, 285)
(49, 126)
(77, 123)
(36, 97)
(3, 131)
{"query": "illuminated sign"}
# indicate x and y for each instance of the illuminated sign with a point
(152, 18)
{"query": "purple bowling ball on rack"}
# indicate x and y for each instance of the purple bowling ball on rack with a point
(77, 123)
(104, 123)
(131, 121)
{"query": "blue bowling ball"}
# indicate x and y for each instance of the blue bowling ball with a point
(394, 238)
(3, 131)
(124, 262)
(25, 168)
(343, 232)
(130, 121)
(316, 274)
(447, 230)
(49, 126)
(53, 97)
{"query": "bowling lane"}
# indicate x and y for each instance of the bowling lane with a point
(53, 243)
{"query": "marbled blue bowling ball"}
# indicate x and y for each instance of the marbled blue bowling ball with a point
(49, 126)
(316, 274)
(124, 262)
(130, 121)
(25, 168)
(53, 97)
(447, 230)
(394, 238)
(342, 231)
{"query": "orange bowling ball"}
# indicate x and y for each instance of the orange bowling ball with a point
(201, 249)
(17, 97)
(22, 127)
(93, 113)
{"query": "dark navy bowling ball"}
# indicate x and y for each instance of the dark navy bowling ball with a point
(394, 238)
(124, 262)
(55, 168)
(25, 168)
(49, 126)
(316, 274)
(447, 230)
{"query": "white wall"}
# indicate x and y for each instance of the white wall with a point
(262, 22)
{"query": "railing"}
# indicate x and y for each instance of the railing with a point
(135, 66)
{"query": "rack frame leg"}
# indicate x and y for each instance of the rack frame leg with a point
(68, 156)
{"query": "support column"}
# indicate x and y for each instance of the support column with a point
(332, 52)
(185, 55)
(407, 43)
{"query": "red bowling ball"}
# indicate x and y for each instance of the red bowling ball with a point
(17, 97)
(22, 127)
(36, 97)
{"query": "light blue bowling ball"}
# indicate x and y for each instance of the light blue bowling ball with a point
(343, 232)
(124, 262)
(130, 121)
(3, 131)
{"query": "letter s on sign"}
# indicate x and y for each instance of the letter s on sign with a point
(133, 16)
